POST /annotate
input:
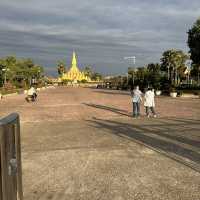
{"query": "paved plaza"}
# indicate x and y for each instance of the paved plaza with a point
(82, 143)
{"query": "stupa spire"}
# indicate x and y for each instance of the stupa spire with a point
(74, 61)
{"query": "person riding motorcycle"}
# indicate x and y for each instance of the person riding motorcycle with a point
(32, 95)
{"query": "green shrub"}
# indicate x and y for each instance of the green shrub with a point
(83, 81)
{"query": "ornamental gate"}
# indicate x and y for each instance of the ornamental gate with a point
(10, 159)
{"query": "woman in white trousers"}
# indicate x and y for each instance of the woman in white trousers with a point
(149, 102)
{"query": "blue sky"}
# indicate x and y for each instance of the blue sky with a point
(102, 32)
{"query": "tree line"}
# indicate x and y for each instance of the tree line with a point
(175, 67)
(19, 73)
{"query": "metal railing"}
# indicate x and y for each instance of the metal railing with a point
(10, 159)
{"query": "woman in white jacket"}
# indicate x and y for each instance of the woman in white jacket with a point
(149, 102)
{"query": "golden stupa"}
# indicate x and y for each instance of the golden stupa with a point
(74, 74)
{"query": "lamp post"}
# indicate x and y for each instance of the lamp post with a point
(4, 69)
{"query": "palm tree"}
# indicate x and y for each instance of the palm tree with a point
(172, 61)
(61, 68)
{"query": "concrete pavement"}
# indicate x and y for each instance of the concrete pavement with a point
(81, 143)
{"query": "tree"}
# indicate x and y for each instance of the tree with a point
(26, 71)
(28, 63)
(61, 67)
(154, 75)
(96, 76)
(92, 74)
(172, 63)
(194, 45)
(153, 67)
(88, 71)
(1, 73)
(141, 77)
(17, 71)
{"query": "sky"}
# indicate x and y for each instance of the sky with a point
(102, 32)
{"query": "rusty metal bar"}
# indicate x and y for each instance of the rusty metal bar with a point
(10, 159)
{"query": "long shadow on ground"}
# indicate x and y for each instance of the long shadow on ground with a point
(113, 92)
(162, 135)
(111, 109)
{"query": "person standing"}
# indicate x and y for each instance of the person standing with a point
(149, 102)
(136, 99)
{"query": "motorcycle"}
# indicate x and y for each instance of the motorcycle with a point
(31, 98)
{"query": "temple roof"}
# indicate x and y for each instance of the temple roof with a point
(74, 73)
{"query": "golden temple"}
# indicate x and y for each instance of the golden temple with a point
(74, 74)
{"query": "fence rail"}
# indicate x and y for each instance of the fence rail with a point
(10, 159)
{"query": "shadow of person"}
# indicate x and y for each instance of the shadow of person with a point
(111, 109)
